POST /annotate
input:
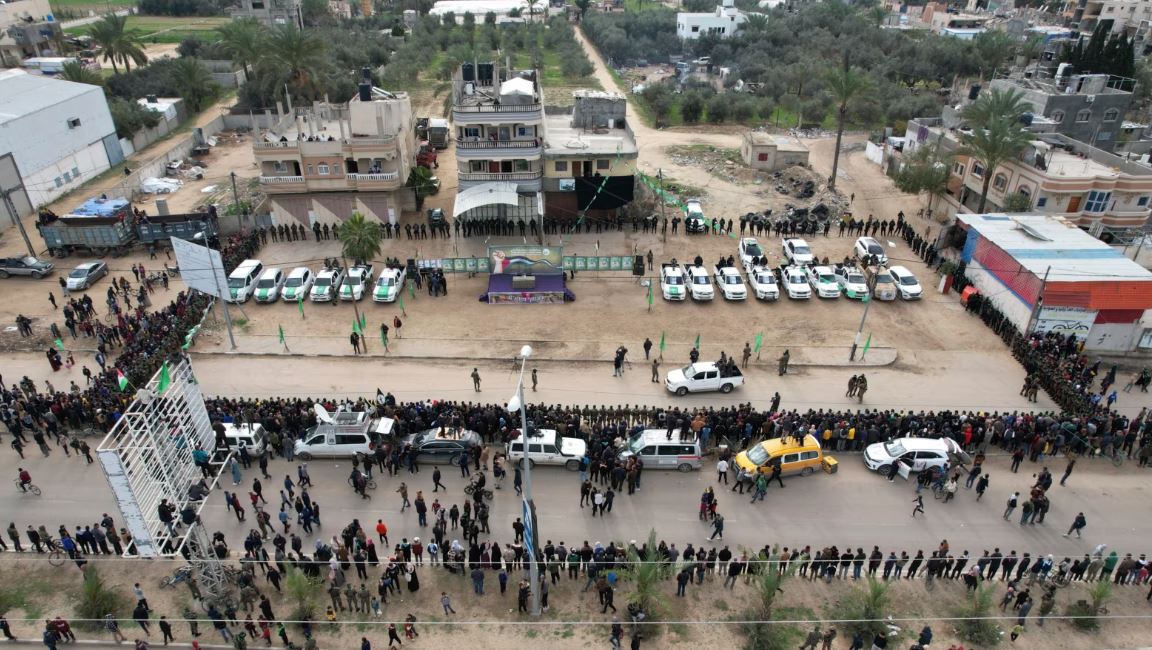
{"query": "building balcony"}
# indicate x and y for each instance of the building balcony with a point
(497, 108)
(484, 177)
(498, 114)
(283, 184)
(497, 144)
(353, 148)
(379, 182)
(498, 149)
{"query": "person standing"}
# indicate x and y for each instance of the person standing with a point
(436, 484)
(533, 380)
(746, 355)
(1013, 501)
(1068, 470)
(446, 603)
(476, 380)
(722, 471)
(166, 629)
(782, 366)
(655, 371)
(981, 486)
(919, 501)
(355, 340)
(647, 347)
(1078, 524)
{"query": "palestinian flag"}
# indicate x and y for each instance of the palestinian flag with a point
(122, 380)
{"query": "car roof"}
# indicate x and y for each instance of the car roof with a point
(749, 240)
(299, 271)
(796, 240)
(656, 436)
(867, 240)
(697, 270)
(391, 271)
(776, 446)
(89, 265)
(329, 272)
(921, 444)
(899, 270)
(269, 272)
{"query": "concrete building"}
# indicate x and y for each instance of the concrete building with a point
(27, 28)
(769, 153)
(962, 26)
(724, 22)
(270, 12)
(498, 124)
(1089, 108)
(1091, 188)
(1046, 274)
(589, 158)
(60, 133)
(331, 161)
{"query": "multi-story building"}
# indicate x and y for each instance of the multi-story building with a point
(724, 21)
(331, 161)
(1092, 188)
(270, 12)
(498, 124)
(28, 28)
(589, 158)
(1089, 108)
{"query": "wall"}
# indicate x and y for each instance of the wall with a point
(1014, 308)
(1105, 133)
(15, 10)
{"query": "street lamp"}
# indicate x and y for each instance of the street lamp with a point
(529, 517)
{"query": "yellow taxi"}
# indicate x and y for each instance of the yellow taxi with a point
(803, 457)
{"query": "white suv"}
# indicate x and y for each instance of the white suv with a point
(906, 284)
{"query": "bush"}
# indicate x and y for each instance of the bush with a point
(718, 108)
(691, 108)
(130, 118)
(865, 606)
(97, 600)
(972, 622)
(1084, 613)
(303, 594)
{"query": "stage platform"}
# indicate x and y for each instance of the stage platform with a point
(550, 289)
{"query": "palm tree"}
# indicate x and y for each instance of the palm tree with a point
(244, 42)
(847, 85)
(111, 33)
(297, 56)
(73, 71)
(531, 9)
(649, 574)
(993, 144)
(993, 105)
(359, 239)
(925, 170)
(420, 180)
(104, 36)
(756, 23)
(193, 81)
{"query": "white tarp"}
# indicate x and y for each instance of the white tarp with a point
(518, 86)
(154, 185)
(485, 194)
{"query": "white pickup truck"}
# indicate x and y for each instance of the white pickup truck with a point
(730, 283)
(703, 377)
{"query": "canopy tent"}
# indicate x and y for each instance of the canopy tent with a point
(518, 86)
(502, 193)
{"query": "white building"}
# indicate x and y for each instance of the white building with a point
(60, 133)
(725, 21)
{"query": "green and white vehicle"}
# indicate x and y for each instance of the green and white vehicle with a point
(673, 285)
(269, 285)
(355, 285)
(327, 285)
(298, 284)
(389, 284)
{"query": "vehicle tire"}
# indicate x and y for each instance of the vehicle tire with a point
(454, 459)
(807, 471)
(682, 391)
(57, 558)
(3, 275)
(531, 463)
(488, 494)
(726, 388)
(305, 456)
(468, 490)
(684, 467)
(572, 466)
(883, 470)
(37, 275)
(34, 490)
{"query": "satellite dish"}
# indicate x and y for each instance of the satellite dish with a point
(322, 414)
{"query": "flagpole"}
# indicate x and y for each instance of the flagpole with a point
(860, 330)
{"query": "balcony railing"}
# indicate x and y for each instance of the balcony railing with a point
(497, 144)
(372, 142)
(281, 180)
(273, 145)
(386, 176)
(497, 108)
(501, 176)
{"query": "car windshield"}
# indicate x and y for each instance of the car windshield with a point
(295, 282)
(29, 261)
(353, 281)
(235, 283)
(765, 278)
(699, 279)
(895, 449)
(874, 249)
(78, 273)
(827, 277)
(753, 250)
(801, 249)
(386, 281)
(855, 278)
(732, 279)
(908, 280)
(674, 279)
(636, 444)
(266, 283)
(757, 455)
(883, 278)
(322, 282)
(796, 278)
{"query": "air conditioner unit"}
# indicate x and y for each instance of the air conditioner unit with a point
(1090, 98)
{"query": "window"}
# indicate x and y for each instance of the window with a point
(763, 157)
(1084, 115)
(478, 166)
(525, 131)
(1000, 182)
(534, 449)
(1111, 115)
(1097, 201)
(336, 168)
(958, 169)
(603, 163)
(279, 167)
(471, 132)
(350, 439)
(695, 29)
(310, 172)
(323, 169)
(790, 458)
(809, 455)
(1025, 190)
(561, 165)
(1058, 117)
(67, 177)
(59, 182)
(73, 122)
(1042, 201)
(521, 165)
(977, 170)
(76, 172)
(1142, 201)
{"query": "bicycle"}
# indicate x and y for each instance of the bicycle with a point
(27, 489)
(470, 488)
(181, 575)
(369, 483)
(56, 554)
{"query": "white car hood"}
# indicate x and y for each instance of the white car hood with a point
(676, 376)
(573, 447)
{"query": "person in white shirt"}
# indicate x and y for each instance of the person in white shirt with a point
(722, 471)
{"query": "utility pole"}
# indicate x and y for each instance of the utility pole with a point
(531, 534)
(663, 225)
(860, 330)
(236, 199)
(11, 208)
(1034, 317)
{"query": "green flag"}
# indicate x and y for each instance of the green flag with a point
(300, 303)
(383, 337)
(356, 327)
(649, 293)
(59, 344)
(412, 289)
(867, 344)
(661, 341)
(363, 321)
(759, 340)
(281, 333)
(401, 297)
(165, 379)
(697, 343)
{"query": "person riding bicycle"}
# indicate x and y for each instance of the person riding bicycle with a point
(25, 479)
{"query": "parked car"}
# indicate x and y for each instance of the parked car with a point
(883, 286)
(657, 452)
(359, 277)
(869, 252)
(27, 265)
(389, 284)
(795, 282)
(907, 286)
(750, 252)
(763, 282)
(269, 285)
(802, 458)
(85, 275)
(326, 286)
(694, 219)
(913, 454)
(730, 283)
(547, 447)
(702, 377)
(851, 281)
(672, 282)
(699, 284)
(823, 282)
(797, 251)
(434, 446)
(298, 284)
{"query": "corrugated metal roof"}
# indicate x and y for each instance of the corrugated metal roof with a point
(22, 93)
(1070, 255)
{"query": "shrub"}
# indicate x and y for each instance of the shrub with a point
(691, 108)
(973, 624)
(97, 600)
(865, 606)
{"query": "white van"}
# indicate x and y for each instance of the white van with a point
(269, 285)
(547, 447)
(251, 436)
(242, 281)
(658, 452)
